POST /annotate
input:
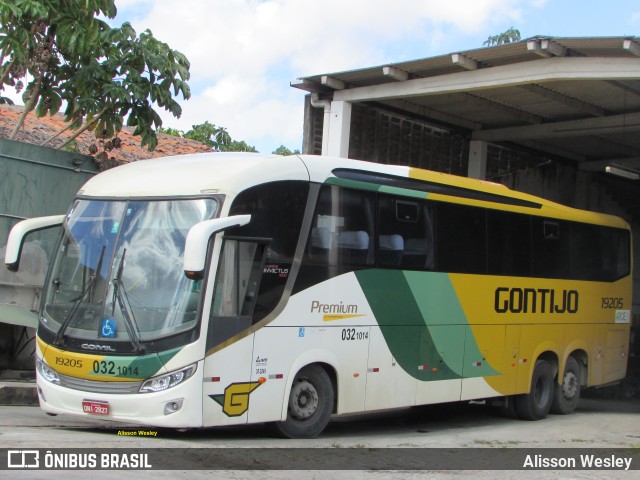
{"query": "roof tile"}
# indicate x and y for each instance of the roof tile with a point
(38, 130)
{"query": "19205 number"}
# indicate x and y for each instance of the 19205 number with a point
(612, 302)
(353, 334)
(69, 362)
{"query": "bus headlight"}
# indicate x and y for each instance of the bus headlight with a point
(47, 372)
(163, 382)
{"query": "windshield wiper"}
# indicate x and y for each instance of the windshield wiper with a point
(120, 294)
(78, 301)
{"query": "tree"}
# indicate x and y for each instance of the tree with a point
(217, 138)
(509, 36)
(103, 74)
(282, 150)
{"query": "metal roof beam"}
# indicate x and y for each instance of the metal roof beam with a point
(589, 126)
(430, 114)
(546, 48)
(535, 71)
(631, 47)
(395, 73)
(463, 61)
(565, 100)
(331, 82)
(517, 113)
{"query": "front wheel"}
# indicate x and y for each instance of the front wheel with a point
(536, 404)
(567, 393)
(310, 404)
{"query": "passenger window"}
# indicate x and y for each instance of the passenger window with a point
(405, 237)
(461, 239)
(342, 228)
(509, 243)
(341, 238)
(551, 248)
(276, 210)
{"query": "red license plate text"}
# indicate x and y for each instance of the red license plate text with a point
(95, 407)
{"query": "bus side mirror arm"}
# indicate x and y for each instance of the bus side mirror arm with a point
(195, 249)
(19, 232)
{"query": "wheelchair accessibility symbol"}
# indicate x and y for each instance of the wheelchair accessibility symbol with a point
(108, 328)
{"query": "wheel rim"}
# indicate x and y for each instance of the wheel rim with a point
(569, 385)
(304, 400)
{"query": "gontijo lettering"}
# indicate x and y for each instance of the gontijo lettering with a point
(531, 300)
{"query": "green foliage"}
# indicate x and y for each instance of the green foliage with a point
(103, 74)
(282, 150)
(509, 36)
(171, 131)
(217, 138)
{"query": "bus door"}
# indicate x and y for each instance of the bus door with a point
(227, 368)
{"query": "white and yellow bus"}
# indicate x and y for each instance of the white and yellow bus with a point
(221, 289)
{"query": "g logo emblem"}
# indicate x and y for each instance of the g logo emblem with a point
(235, 400)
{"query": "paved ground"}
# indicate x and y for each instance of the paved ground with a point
(595, 424)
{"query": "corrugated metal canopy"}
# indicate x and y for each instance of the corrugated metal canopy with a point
(575, 100)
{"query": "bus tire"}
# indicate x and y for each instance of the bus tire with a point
(536, 404)
(310, 404)
(567, 393)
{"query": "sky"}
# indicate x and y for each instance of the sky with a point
(245, 53)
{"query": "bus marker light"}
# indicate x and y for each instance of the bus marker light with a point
(277, 376)
(215, 379)
(356, 375)
(262, 380)
(435, 369)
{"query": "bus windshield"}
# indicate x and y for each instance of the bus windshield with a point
(118, 273)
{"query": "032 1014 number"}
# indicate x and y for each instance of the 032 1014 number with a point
(612, 302)
(353, 334)
(110, 368)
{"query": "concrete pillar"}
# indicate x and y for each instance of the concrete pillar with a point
(477, 159)
(339, 129)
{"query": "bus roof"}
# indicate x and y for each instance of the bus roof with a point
(230, 173)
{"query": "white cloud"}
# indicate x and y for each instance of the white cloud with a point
(244, 53)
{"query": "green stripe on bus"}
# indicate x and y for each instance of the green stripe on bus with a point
(423, 323)
(372, 187)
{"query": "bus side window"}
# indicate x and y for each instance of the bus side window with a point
(341, 238)
(405, 234)
(509, 243)
(461, 238)
(551, 248)
(277, 210)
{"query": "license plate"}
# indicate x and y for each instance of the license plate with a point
(95, 407)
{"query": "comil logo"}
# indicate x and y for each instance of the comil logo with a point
(23, 459)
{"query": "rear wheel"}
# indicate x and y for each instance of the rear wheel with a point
(536, 404)
(567, 393)
(310, 404)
